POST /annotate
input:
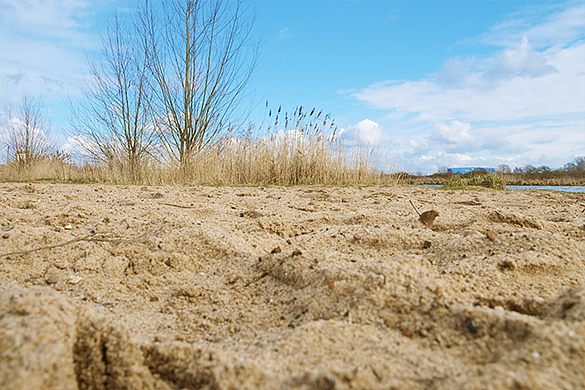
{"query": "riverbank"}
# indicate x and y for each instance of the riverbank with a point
(510, 179)
(297, 287)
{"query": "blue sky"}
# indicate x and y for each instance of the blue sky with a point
(431, 84)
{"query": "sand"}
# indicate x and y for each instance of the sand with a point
(290, 288)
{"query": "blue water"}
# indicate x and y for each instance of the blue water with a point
(550, 188)
(574, 189)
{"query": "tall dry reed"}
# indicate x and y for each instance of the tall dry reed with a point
(282, 158)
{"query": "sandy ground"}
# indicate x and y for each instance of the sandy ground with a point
(290, 288)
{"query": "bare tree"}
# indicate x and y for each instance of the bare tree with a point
(201, 58)
(27, 138)
(115, 121)
(580, 163)
(504, 168)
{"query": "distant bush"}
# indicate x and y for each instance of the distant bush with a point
(475, 179)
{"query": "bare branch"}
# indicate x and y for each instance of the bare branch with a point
(201, 58)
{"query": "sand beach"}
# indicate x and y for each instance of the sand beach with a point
(143, 287)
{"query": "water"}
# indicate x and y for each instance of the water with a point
(550, 188)
(573, 189)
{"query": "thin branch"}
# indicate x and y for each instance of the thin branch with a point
(177, 205)
(415, 208)
(89, 238)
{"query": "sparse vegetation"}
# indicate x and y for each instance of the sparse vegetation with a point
(291, 149)
(453, 180)
(475, 179)
(27, 140)
(572, 174)
(114, 122)
(167, 85)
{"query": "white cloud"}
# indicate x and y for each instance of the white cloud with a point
(46, 18)
(454, 133)
(441, 159)
(517, 84)
(524, 103)
(284, 33)
(544, 25)
(43, 43)
(365, 133)
(78, 146)
(288, 136)
(520, 62)
(515, 145)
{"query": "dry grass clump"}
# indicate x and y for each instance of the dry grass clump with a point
(289, 159)
(56, 167)
(283, 158)
(476, 179)
(297, 149)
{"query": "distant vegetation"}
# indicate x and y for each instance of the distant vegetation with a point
(571, 174)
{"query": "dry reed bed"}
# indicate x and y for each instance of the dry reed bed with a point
(289, 159)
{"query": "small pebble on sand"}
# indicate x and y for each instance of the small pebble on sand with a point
(491, 235)
(7, 227)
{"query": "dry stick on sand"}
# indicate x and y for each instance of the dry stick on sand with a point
(412, 204)
(177, 205)
(89, 238)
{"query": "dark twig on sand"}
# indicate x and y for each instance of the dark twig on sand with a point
(414, 208)
(94, 237)
(177, 205)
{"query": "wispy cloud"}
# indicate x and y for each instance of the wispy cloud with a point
(44, 18)
(43, 43)
(544, 25)
(501, 107)
(514, 84)
(284, 33)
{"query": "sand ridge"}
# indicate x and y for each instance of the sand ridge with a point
(300, 288)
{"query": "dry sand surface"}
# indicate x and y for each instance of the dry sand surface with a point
(290, 288)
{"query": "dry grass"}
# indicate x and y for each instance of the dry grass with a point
(291, 158)
(300, 148)
(476, 179)
(554, 178)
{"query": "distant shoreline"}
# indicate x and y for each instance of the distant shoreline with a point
(511, 179)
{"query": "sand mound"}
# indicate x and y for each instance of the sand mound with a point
(299, 288)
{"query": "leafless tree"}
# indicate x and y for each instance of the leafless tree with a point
(115, 121)
(201, 55)
(578, 164)
(27, 134)
(504, 168)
